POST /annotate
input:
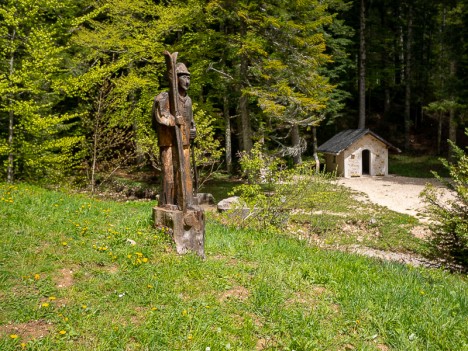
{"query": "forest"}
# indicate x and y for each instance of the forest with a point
(78, 78)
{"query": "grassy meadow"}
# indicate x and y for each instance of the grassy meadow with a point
(78, 273)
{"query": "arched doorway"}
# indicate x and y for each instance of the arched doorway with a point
(366, 162)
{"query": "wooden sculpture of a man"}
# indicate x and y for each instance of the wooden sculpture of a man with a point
(173, 121)
(172, 193)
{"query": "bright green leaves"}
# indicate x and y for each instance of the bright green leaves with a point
(73, 69)
(32, 60)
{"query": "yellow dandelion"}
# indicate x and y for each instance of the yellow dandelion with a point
(23, 345)
(37, 276)
(190, 337)
(154, 309)
(84, 306)
(52, 298)
(45, 304)
(13, 336)
(145, 259)
(64, 243)
(150, 286)
(184, 312)
(62, 332)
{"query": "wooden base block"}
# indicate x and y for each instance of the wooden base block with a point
(187, 229)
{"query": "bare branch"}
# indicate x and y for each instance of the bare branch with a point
(224, 74)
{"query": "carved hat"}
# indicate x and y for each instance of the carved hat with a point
(182, 69)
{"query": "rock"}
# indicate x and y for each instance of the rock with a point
(233, 205)
(228, 204)
(205, 199)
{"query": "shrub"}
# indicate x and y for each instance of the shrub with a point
(450, 218)
(273, 191)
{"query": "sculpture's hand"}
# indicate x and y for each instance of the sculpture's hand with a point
(179, 120)
(171, 121)
(193, 133)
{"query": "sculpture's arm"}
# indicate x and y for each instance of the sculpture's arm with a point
(161, 113)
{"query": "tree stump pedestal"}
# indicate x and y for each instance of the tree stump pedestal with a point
(187, 229)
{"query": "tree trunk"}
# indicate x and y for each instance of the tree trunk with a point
(10, 167)
(401, 46)
(97, 137)
(314, 145)
(409, 41)
(227, 134)
(246, 134)
(387, 101)
(452, 132)
(296, 144)
(94, 162)
(11, 123)
(439, 133)
(362, 66)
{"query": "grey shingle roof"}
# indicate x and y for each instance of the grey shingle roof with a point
(344, 139)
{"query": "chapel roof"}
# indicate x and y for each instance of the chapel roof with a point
(346, 138)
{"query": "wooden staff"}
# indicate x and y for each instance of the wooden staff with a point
(171, 60)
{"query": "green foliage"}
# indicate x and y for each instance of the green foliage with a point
(207, 148)
(39, 141)
(450, 218)
(273, 192)
(291, 89)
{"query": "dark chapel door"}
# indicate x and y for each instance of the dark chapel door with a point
(366, 162)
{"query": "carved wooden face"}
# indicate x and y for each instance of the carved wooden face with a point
(184, 81)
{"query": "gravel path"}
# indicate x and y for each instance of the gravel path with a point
(400, 194)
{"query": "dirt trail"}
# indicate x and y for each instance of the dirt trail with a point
(399, 194)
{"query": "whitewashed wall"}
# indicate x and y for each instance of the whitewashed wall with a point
(352, 158)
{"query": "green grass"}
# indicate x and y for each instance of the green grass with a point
(415, 166)
(255, 290)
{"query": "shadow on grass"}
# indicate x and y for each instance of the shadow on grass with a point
(407, 165)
